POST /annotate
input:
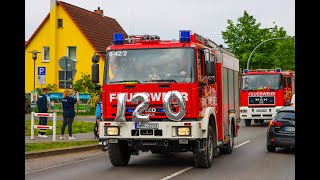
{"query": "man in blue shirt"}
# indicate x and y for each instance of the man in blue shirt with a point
(43, 108)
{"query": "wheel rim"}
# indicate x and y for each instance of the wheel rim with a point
(210, 147)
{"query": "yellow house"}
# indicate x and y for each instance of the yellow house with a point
(67, 31)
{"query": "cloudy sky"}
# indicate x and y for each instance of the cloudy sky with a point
(166, 17)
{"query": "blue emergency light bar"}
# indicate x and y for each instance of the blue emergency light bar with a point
(118, 38)
(184, 35)
(278, 69)
(245, 70)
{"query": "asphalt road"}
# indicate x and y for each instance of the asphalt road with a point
(249, 160)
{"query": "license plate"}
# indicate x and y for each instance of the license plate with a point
(147, 126)
(289, 128)
(149, 110)
(261, 110)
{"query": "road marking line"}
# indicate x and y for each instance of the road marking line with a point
(241, 144)
(177, 173)
(190, 167)
(63, 164)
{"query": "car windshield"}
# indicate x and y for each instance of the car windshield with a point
(260, 82)
(286, 115)
(150, 66)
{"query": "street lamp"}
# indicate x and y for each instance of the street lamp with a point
(34, 57)
(262, 43)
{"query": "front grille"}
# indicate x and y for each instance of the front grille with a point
(254, 100)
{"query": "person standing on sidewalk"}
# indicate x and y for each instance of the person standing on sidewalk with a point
(43, 108)
(68, 112)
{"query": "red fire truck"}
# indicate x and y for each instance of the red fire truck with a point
(168, 96)
(263, 92)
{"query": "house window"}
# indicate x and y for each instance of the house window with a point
(60, 23)
(72, 52)
(66, 79)
(46, 53)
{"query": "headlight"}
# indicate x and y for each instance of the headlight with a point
(243, 111)
(184, 131)
(112, 131)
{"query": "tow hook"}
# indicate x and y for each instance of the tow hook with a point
(165, 142)
(129, 142)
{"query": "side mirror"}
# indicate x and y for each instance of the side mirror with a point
(210, 68)
(95, 58)
(95, 73)
(211, 79)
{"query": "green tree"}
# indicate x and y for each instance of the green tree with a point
(85, 85)
(52, 87)
(242, 37)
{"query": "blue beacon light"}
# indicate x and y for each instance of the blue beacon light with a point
(278, 69)
(184, 35)
(118, 38)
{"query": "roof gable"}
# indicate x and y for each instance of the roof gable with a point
(97, 29)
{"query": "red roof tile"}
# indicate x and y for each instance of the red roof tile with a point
(98, 29)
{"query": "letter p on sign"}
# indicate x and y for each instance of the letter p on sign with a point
(41, 70)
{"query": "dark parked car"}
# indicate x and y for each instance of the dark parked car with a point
(281, 130)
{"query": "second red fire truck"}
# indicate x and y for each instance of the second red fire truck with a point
(263, 92)
(168, 96)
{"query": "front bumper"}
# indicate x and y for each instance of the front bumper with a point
(166, 130)
(255, 113)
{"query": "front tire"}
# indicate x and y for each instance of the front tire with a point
(204, 158)
(247, 122)
(119, 153)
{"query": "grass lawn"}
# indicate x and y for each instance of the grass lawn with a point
(77, 127)
(55, 145)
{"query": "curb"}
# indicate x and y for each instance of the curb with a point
(38, 154)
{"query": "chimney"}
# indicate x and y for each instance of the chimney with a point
(99, 11)
(52, 4)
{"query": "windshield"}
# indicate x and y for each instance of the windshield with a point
(285, 116)
(260, 82)
(150, 65)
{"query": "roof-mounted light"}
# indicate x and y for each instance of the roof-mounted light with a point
(278, 69)
(184, 35)
(245, 70)
(149, 38)
(118, 38)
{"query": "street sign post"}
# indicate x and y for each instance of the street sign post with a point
(41, 75)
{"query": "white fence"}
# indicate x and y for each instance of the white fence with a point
(53, 127)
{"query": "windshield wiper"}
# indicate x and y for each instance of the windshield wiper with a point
(161, 80)
(125, 81)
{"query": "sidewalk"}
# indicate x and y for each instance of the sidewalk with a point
(79, 137)
(91, 118)
(64, 150)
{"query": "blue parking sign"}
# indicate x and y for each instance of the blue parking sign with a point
(41, 70)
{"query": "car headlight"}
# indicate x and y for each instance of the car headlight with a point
(184, 131)
(243, 111)
(112, 131)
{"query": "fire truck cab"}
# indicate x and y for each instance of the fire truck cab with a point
(263, 92)
(168, 96)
